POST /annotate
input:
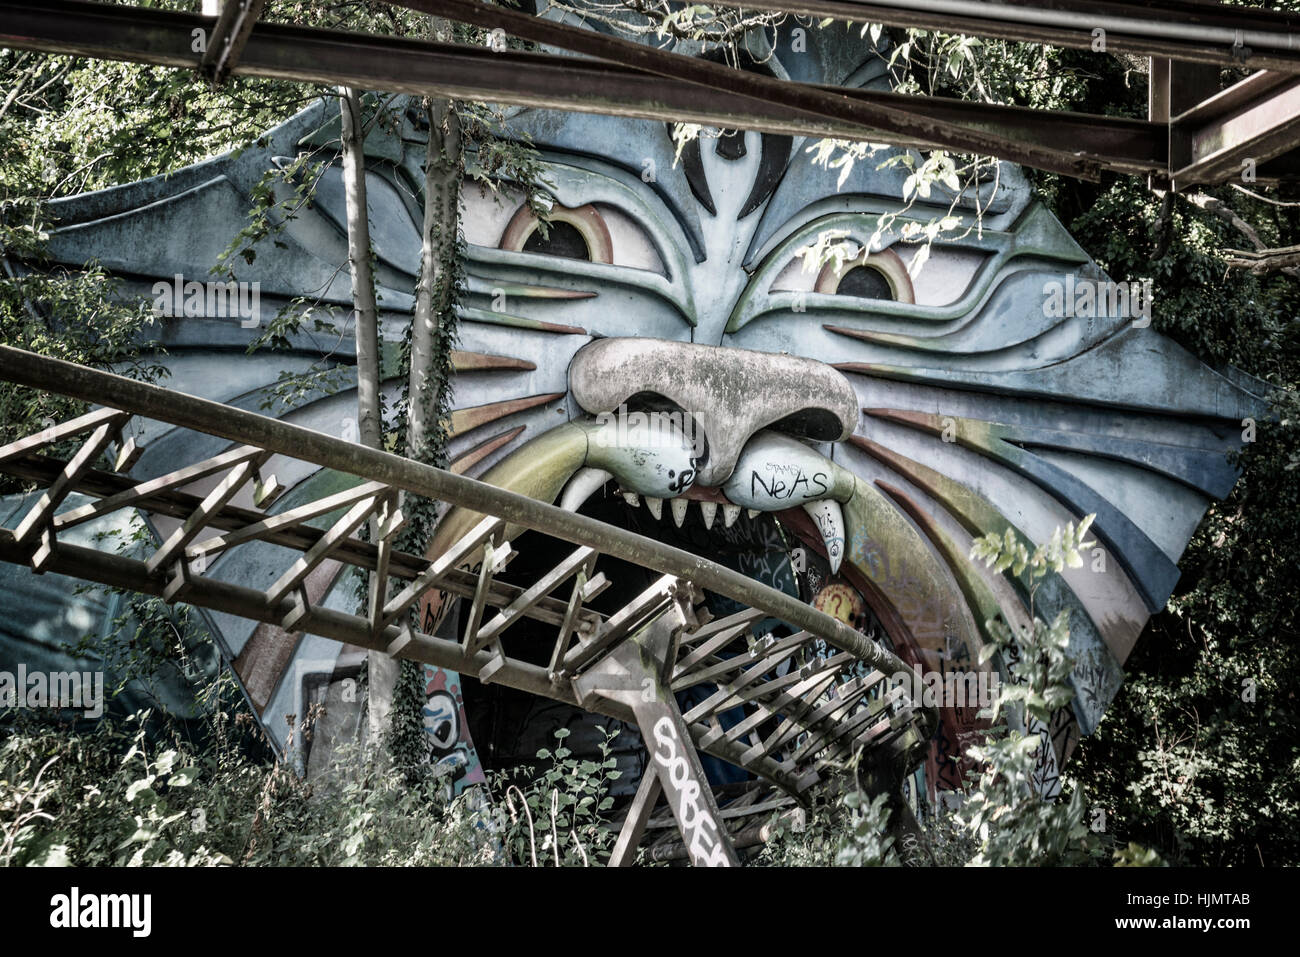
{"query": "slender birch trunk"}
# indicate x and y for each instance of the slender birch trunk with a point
(382, 670)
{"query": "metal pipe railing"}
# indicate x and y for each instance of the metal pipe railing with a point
(248, 428)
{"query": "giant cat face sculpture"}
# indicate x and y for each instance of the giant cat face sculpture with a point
(841, 434)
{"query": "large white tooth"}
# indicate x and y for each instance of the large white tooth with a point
(709, 511)
(647, 454)
(632, 499)
(582, 486)
(829, 519)
(776, 471)
(752, 512)
(656, 506)
(729, 515)
(678, 505)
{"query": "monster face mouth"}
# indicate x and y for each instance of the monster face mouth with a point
(745, 485)
(782, 495)
(652, 457)
(710, 422)
(684, 423)
(778, 519)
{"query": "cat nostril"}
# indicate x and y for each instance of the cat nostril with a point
(729, 394)
(820, 425)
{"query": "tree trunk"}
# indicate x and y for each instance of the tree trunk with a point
(434, 322)
(433, 334)
(381, 669)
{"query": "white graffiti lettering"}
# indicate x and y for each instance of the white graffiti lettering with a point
(698, 825)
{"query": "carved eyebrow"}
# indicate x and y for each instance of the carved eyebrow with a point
(639, 149)
(808, 191)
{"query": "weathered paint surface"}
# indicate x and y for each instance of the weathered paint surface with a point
(963, 407)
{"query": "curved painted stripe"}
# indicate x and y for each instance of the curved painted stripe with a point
(466, 420)
(480, 361)
(481, 451)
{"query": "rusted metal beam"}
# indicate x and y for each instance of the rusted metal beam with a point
(1197, 32)
(229, 35)
(1248, 124)
(1174, 87)
(1069, 140)
(806, 101)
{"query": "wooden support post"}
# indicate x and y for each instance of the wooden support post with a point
(633, 675)
(638, 816)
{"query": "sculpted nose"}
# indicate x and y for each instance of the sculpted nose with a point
(730, 393)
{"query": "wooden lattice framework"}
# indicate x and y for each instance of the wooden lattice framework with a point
(804, 712)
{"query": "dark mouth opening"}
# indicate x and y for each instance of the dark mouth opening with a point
(780, 549)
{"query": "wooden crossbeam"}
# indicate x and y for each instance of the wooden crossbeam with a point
(54, 434)
(140, 494)
(494, 558)
(712, 638)
(586, 586)
(128, 455)
(1210, 144)
(627, 619)
(730, 696)
(224, 491)
(749, 688)
(769, 655)
(40, 516)
(826, 738)
(390, 521)
(812, 716)
(796, 701)
(338, 532)
(448, 560)
(544, 586)
(289, 519)
(794, 704)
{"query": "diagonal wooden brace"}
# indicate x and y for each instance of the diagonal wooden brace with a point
(41, 515)
(633, 675)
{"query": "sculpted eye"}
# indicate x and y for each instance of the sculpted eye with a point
(882, 276)
(948, 274)
(571, 233)
(597, 232)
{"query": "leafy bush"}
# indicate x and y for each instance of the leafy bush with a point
(566, 802)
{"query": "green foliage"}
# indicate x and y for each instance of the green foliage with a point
(1012, 823)
(1182, 761)
(1037, 658)
(1003, 809)
(850, 831)
(559, 813)
(1219, 317)
(115, 797)
(408, 742)
(1199, 753)
(1135, 855)
(66, 314)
